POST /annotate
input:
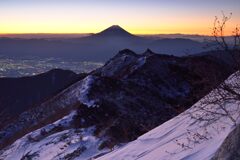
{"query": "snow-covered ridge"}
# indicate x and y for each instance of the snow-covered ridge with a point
(124, 63)
(48, 143)
(84, 91)
(184, 137)
(77, 93)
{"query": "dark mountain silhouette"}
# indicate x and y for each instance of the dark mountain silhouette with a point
(114, 31)
(20, 94)
(131, 94)
(97, 47)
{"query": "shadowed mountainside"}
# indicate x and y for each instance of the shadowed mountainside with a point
(20, 94)
(131, 94)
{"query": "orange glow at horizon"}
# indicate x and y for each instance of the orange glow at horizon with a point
(137, 17)
(147, 26)
(78, 29)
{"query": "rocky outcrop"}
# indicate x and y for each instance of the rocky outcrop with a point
(230, 149)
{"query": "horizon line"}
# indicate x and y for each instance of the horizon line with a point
(57, 33)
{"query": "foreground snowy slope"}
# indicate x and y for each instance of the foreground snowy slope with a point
(196, 134)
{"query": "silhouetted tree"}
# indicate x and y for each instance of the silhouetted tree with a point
(224, 101)
(231, 47)
(214, 106)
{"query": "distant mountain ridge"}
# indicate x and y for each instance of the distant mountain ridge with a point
(97, 47)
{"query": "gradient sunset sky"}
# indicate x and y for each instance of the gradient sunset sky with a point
(136, 16)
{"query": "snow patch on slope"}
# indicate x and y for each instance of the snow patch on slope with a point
(182, 137)
(117, 65)
(84, 91)
(50, 144)
(139, 63)
(75, 94)
(79, 92)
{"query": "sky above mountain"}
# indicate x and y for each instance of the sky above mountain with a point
(136, 16)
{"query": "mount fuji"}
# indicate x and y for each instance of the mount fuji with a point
(97, 47)
(115, 30)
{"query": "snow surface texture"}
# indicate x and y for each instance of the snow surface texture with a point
(59, 139)
(123, 64)
(66, 144)
(78, 92)
(184, 137)
(86, 83)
